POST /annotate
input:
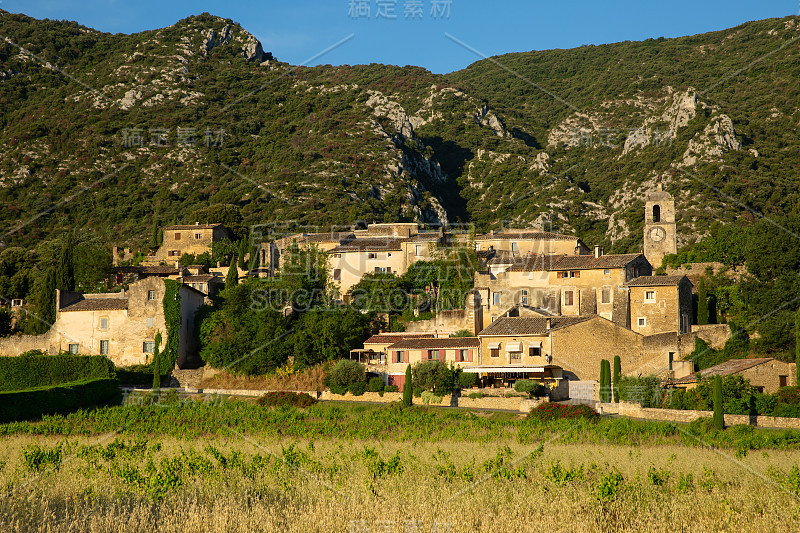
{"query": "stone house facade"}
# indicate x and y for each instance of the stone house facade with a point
(188, 239)
(458, 351)
(660, 304)
(120, 325)
(765, 374)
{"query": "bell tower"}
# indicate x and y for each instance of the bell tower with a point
(660, 234)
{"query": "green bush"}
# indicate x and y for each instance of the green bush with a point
(285, 398)
(33, 369)
(358, 388)
(345, 373)
(645, 390)
(391, 388)
(467, 380)
(57, 399)
(135, 376)
(341, 390)
(532, 388)
(556, 411)
(375, 385)
(434, 376)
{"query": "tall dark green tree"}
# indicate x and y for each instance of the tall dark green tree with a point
(605, 381)
(408, 388)
(232, 279)
(702, 303)
(243, 251)
(797, 348)
(617, 376)
(46, 302)
(719, 416)
(157, 362)
(65, 275)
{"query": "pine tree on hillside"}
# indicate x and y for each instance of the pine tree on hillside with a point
(702, 303)
(232, 279)
(65, 279)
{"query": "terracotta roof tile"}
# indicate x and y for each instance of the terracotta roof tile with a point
(445, 342)
(192, 226)
(535, 325)
(391, 339)
(581, 262)
(656, 281)
(98, 304)
(728, 368)
(532, 235)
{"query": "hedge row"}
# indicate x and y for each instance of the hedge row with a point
(29, 371)
(58, 399)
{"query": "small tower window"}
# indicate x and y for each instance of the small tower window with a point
(656, 213)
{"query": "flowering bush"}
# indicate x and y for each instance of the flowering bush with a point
(555, 411)
(282, 398)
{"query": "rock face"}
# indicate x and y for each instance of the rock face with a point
(250, 46)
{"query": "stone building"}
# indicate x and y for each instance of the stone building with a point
(458, 351)
(765, 374)
(660, 304)
(660, 231)
(120, 325)
(188, 239)
(522, 242)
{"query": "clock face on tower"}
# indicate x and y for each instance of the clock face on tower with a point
(657, 234)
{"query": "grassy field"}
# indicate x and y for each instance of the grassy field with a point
(381, 468)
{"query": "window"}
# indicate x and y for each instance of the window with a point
(671, 359)
(337, 256)
(400, 356)
(642, 322)
(495, 352)
(103, 323)
(177, 236)
(568, 298)
(198, 236)
(575, 274)
(524, 297)
(418, 250)
(568, 274)
(173, 253)
(148, 346)
(684, 323)
(74, 349)
(103, 347)
(151, 295)
(514, 247)
(389, 254)
(431, 355)
(783, 381)
(463, 356)
(337, 274)
(605, 295)
(656, 213)
(535, 351)
(607, 272)
(650, 296)
(372, 255)
(149, 322)
(496, 298)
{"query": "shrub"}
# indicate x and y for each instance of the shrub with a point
(531, 387)
(358, 388)
(341, 390)
(719, 420)
(58, 399)
(645, 390)
(434, 376)
(375, 385)
(467, 380)
(391, 388)
(135, 376)
(345, 373)
(429, 397)
(285, 398)
(788, 395)
(34, 369)
(476, 395)
(555, 411)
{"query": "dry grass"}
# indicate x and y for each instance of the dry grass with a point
(307, 380)
(337, 485)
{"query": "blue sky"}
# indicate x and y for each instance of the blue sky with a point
(298, 30)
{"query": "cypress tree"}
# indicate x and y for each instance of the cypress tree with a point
(617, 376)
(605, 381)
(702, 303)
(232, 278)
(157, 362)
(46, 302)
(797, 349)
(719, 417)
(408, 388)
(65, 279)
(242, 253)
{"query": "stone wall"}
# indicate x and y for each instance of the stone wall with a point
(515, 403)
(716, 335)
(633, 410)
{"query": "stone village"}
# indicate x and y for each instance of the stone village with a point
(545, 306)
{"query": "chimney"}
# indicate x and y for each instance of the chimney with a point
(547, 321)
(598, 251)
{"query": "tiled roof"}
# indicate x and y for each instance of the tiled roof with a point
(535, 325)
(153, 270)
(391, 339)
(656, 281)
(193, 226)
(443, 343)
(373, 244)
(202, 278)
(532, 235)
(425, 237)
(98, 304)
(534, 263)
(580, 262)
(331, 236)
(728, 368)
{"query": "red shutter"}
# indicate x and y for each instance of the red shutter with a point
(470, 356)
(396, 358)
(442, 356)
(559, 274)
